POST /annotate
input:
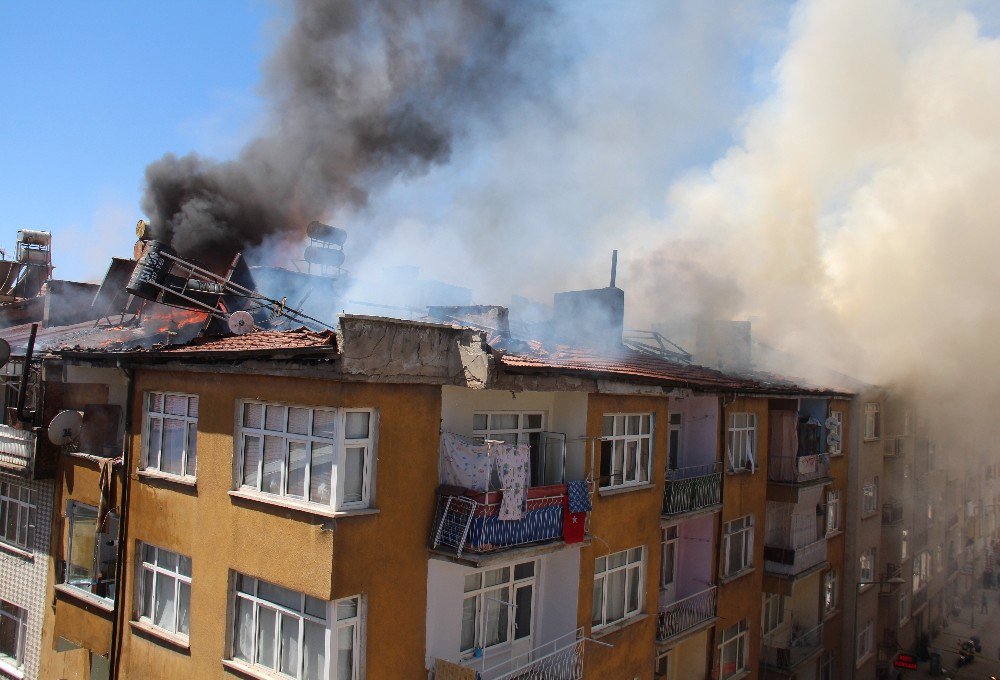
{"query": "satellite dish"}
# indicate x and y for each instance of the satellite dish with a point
(4, 352)
(240, 322)
(65, 427)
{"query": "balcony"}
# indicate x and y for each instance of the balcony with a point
(685, 614)
(691, 489)
(468, 521)
(561, 658)
(17, 450)
(892, 513)
(799, 469)
(794, 561)
(795, 649)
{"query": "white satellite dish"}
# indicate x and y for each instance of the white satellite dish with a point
(4, 352)
(65, 427)
(240, 322)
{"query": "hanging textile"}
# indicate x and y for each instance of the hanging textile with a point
(464, 462)
(574, 522)
(578, 495)
(512, 464)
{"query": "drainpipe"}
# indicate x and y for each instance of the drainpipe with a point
(25, 373)
(118, 621)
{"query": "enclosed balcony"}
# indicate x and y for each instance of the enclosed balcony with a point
(799, 469)
(17, 450)
(788, 650)
(794, 561)
(692, 489)
(685, 614)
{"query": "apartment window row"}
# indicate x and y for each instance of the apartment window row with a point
(619, 588)
(319, 456)
(626, 449)
(13, 624)
(741, 443)
(18, 508)
(737, 545)
(497, 606)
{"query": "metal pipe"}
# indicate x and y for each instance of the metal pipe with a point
(25, 372)
(118, 620)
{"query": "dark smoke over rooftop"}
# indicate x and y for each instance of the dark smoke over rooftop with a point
(360, 92)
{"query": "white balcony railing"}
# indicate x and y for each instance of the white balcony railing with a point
(559, 659)
(684, 614)
(793, 561)
(17, 448)
(793, 650)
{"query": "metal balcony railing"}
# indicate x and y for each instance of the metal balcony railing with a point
(789, 652)
(692, 488)
(17, 448)
(892, 513)
(560, 659)
(793, 561)
(798, 469)
(682, 615)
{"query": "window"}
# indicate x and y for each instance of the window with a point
(872, 420)
(733, 655)
(866, 566)
(165, 589)
(316, 455)
(17, 515)
(832, 512)
(829, 592)
(13, 621)
(618, 586)
(835, 433)
(91, 550)
(869, 497)
(742, 442)
(904, 607)
(626, 449)
(661, 671)
(280, 630)
(921, 570)
(865, 640)
(904, 544)
(827, 666)
(675, 441)
(498, 606)
(171, 433)
(668, 556)
(546, 448)
(773, 613)
(737, 545)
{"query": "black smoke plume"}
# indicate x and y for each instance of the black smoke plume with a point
(359, 92)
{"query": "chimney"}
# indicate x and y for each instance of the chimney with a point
(592, 318)
(723, 345)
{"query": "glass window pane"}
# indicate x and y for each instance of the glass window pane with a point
(533, 421)
(632, 426)
(184, 566)
(644, 428)
(192, 453)
(357, 425)
(324, 423)
(154, 443)
(354, 475)
(176, 405)
(266, 628)
(289, 645)
(243, 636)
(608, 426)
(274, 418)
(83, 527)
(147, 593)
(253, 415)
(278, 595)
(479, 421)
(321, 473)
(597, 602)
(617, 559)
(184, 608)
(522, 615)
(524, 570)
(468, 623)
(345, 653)
(633, 589)
(616, 595)
(316, 607)
(496, 618)
(246, 584)
(503, 421)
(167, 559)
(298, 420)
(173, 446)
(193, 407)
(347, 609)
(473, 581)
(298, 459)
(155, 402)
(164, 606)
(313, 651)
(497, 576)
(274, 454)
(251, 460)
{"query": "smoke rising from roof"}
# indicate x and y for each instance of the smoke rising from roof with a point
(360, 92)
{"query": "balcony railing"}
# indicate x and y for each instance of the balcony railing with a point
(677, 617)
(17, 448)
(560, 659)
(798, 469)
(892, 513)
(692, 488)
(469, 521)
(798, 647)
(793, 561)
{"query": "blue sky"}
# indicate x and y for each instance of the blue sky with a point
(93, 92)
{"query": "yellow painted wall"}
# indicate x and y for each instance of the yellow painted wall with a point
(618, 522)
(383, 556)
(688, 658)
(742, 494)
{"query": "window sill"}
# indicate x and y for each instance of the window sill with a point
(288, 504)
(14, 550)
(174, 640)
(617, 626)
(84, 596)
(615, 490)
(745, 673)
(182, 480)
(248, 671)
(89, 457)
(738, 575)
(741, 471)
(836, 455)
(11, 670)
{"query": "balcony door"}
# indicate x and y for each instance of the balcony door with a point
(675, 442)
(668, 565)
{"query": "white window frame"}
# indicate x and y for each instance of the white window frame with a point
(633, 563)
(865, 642)
(772, 612)
(18, 501)
(866, 566)
(95, 560)
(869, 497)
(158, 573)
(669, 543)
(832, 512)
(631, 443)
(904, 544)
(337, 440)
(18, 617)
(675, 438)
(831, 581)
(740, 529)
(189, 449)
(489, 599)
(331, 623)
(663, 668)
(741, 441)
(872, 421)
(835, 425)
(737, 636)
(521, 432)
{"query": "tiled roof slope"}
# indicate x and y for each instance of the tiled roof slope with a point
(257, 342)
